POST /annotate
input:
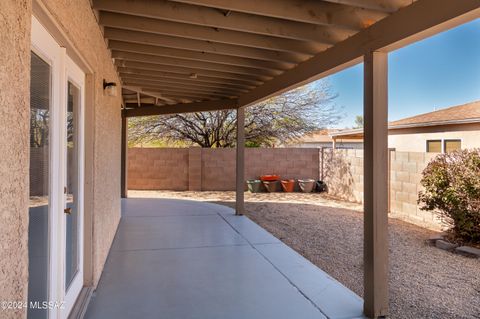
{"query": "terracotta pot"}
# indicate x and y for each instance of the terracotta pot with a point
(306, 185)
(269, 178)
(288, 185)
(254, 185)
(272, 186)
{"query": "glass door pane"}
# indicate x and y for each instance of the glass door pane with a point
(38, 234)
(72, 186)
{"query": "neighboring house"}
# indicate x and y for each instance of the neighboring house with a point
(322, 138)
(449, 129)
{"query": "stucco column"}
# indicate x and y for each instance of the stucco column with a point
(240, 162)
(124, 155)
(375, 184)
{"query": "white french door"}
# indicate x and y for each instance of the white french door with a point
(56, 203)
(72, 164)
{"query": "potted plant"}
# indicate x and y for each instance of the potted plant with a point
(254, 185)
(306, 185)
(272, 186)
(288, 185)
(320, 186)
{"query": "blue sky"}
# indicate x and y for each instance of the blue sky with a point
(440, 71)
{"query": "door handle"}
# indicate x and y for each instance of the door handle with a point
(68, 210)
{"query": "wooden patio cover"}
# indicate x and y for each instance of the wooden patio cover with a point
(199, 55)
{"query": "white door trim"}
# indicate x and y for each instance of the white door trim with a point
(63, 69)
(43, 44)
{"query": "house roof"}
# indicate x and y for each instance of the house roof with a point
(459, 114)
(314, 137)
(320, 136)
(465, 113)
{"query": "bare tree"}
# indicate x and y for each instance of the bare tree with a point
(275, 120)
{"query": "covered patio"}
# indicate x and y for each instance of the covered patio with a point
(187, 56)
(178, 259)
(186, 259)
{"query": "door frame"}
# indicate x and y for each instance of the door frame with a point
(63, 69)
(43, 44)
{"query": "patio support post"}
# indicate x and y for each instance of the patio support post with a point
(124, 164)
(240, 162)
(375, 184)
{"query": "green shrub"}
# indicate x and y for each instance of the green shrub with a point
(452, 190)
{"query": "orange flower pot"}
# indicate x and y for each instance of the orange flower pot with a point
(288, 185)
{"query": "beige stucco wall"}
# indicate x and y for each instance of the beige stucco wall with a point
(78, 23)
(14, 147)
(415, 141)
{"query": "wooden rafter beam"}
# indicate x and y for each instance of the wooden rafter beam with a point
(254, 80)
(137, 91)
(198, 56)
(142, 79)
(236, 21)
(180, 92)
(203, 46)
(178, 89)
(308, 11)
(419, 20)
(201, 79)
(201, 65)
(379, 5)
(183, 108)
(189, 31)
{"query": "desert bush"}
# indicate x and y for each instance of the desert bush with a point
(452, 191)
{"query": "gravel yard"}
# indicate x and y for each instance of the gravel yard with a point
(425, 282)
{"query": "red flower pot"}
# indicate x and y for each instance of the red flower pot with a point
(269, 178)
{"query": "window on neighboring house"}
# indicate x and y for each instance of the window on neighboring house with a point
(434, 146)
(452, 145)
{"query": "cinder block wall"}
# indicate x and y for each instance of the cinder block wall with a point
(214, 169)
(343, 173)
(158, 168)
(342, 170)
(405, 175)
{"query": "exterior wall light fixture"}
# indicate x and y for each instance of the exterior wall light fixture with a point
(109, 88)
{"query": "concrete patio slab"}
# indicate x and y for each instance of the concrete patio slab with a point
(335, 300)
(174, 232)
(138, 207)
(210, 264)
(253, 233)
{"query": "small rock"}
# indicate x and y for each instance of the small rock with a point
(433, 239)
(468, 251)
(445, 245)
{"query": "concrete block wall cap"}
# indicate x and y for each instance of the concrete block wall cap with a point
(433, 238)
(445, 245)
(468, 251)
